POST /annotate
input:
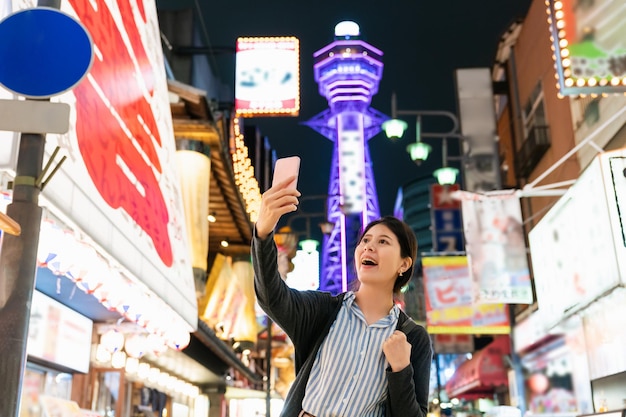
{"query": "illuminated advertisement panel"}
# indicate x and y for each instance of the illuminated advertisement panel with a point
(58, 334)
(267, 76)
(578, 249)
(449, 303)
(589, 43)
(119, 186)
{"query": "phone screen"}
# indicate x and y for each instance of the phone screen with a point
(285, 168)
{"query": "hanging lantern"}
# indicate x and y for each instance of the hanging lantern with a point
(102, 355)
(142, 370)
(180, 339)
(86, 258)
(118, 360)
(153, 374)
(112, 340)
(163, 379)
(132, 365)
(155, 344)
(112, 291)
(538, 383)
(136, 305)
(49, 236)
(63, 254)
(171, 382)
(179, 386)
(135, 345)
(94, 277)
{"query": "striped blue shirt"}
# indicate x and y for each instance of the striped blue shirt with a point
(348, 377)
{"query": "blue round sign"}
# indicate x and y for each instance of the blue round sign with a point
(43, 52)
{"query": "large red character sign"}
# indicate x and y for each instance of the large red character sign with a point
(115, 125)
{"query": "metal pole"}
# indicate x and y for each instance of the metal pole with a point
(18, 265)
(516, 364)
(438, 371)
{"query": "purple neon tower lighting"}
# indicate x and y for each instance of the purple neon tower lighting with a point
(348, 72)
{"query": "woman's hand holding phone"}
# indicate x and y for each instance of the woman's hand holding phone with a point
(285, 168)
(281, 198)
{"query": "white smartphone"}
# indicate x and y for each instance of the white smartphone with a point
(285, 168)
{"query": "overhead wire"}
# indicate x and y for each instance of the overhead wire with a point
(205, 34)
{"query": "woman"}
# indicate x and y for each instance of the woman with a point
(351, 357)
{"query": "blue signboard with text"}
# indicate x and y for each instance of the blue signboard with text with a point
(446, 219)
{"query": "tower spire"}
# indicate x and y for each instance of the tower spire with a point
(348, 72)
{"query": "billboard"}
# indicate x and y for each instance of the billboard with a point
(496, 250)
(267, 76)
(578, 248)
(478, 126)
(589, 43)
(118, 189)
(450, 308)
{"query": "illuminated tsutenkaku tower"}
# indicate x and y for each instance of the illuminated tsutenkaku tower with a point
(348, 72)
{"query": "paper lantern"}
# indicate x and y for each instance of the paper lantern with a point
(112, 340)
(538, 383)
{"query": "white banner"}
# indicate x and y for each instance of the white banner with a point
(496, 250)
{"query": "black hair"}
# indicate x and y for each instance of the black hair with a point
(406, 239)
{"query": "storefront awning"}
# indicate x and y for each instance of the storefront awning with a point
(483, 374)
(224, 353)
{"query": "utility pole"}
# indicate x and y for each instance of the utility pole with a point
(18, 254)
(18, 264)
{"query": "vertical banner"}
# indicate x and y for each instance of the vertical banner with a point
(446, 219)
(496, 250)
(474, 94)
(449, 305)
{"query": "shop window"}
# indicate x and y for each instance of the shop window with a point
(38, 382)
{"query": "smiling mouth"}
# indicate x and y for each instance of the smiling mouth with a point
(368, 262)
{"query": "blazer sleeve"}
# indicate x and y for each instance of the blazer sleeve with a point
(301, 314)
(409, 388)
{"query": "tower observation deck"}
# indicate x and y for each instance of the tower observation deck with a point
(348, 72)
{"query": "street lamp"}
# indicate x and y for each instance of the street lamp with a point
(418, 150)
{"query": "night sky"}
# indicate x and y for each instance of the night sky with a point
(423, 43)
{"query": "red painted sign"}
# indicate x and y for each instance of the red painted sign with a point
(116, 129)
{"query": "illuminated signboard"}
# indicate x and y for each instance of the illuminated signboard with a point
(267, 77)
(58, 334)
(119, 185)
(578, 249)
(450, 308)
(589, 43)
(351, 157)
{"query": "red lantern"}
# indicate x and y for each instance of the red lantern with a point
(538, 383)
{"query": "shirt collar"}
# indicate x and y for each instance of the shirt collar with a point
(348, 302)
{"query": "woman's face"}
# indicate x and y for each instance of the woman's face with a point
(377, 256)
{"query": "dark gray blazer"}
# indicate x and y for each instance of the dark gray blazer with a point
(306, 317)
